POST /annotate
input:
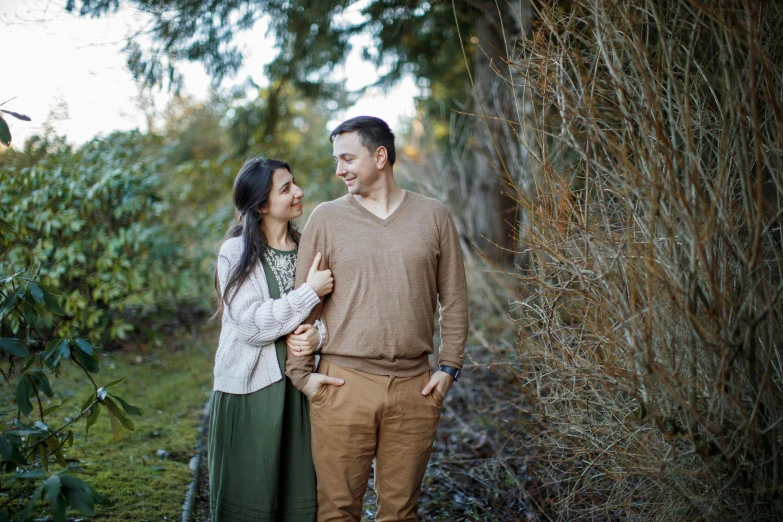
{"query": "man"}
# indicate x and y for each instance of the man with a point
(394, 255)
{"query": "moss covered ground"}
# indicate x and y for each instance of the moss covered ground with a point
(170, 383)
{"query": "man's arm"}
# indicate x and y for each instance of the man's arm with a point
(453, 298)
(298, 369)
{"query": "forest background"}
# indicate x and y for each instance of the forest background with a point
(614, 170)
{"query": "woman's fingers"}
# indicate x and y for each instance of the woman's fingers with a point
(303, 353)
(316, 262)
(301, 329)
(304, 343)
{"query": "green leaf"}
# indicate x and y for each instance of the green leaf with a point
(80, 501)
(24, 391)
(84, 346)
(5, 227)
(49, 289)
(113, 383)
(42, 382)
(36, 292)
(76, 484)
(28, 510)
(116, 428)
(52, 487)
(130, 409)
(15, 347)
(9, 303)
(53, 354)
(55, 407)
(51, 346)
(52, 304)
(26, 431)
(117, 412)
(88, 402)
(30, 314)
(30, 362)
(16, 115)
(92, 418)
(64, 348)
(90, 362)
(9, 452)
(26, 475)
(58, 508)
(42, 454)
(6, 448)
(5, 133)
(58, 454)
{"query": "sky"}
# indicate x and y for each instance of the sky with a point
(68, 73)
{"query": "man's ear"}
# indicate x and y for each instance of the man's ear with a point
(381, 157)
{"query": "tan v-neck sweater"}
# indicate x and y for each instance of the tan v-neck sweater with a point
(389, 275)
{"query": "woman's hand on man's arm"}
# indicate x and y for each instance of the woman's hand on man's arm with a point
(303, 341)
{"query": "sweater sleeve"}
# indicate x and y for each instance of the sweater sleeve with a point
(260, 322)
(313, 240)
(452, 295)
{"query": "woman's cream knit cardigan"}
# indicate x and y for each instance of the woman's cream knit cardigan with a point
(246, 359)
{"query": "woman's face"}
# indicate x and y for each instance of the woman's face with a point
(285, 199)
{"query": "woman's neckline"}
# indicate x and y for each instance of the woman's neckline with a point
(282, 251)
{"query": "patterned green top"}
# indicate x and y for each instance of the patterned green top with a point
(283, 265)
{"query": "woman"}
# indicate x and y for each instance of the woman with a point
(260, 464)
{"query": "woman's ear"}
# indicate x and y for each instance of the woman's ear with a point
(263, 210)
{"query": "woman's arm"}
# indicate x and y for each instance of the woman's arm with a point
(262, 322)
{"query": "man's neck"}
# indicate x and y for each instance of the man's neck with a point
(383, 199)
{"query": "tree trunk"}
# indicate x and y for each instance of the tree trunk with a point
(500, 158)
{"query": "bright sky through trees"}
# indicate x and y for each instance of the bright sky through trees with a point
(69, 73)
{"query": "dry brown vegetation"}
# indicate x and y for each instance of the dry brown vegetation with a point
(651, 244)
(643, 147)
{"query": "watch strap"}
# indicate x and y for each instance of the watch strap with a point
(454, 372)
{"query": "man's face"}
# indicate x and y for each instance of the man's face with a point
(355, 164)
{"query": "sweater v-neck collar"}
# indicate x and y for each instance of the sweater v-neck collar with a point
(383, 222)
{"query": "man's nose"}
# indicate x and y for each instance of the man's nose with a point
(340, 170)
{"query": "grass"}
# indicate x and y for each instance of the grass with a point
(170, 383)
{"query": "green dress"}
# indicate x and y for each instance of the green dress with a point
(260, 461)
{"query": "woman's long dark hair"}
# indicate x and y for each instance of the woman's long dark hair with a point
(252, 187)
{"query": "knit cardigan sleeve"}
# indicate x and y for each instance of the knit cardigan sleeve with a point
(260, 320)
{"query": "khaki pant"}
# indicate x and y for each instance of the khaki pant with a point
(379, 416)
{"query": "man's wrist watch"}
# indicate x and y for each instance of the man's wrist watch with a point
(454, 372)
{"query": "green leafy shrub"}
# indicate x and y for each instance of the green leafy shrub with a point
(29, 443)
(102, 231)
